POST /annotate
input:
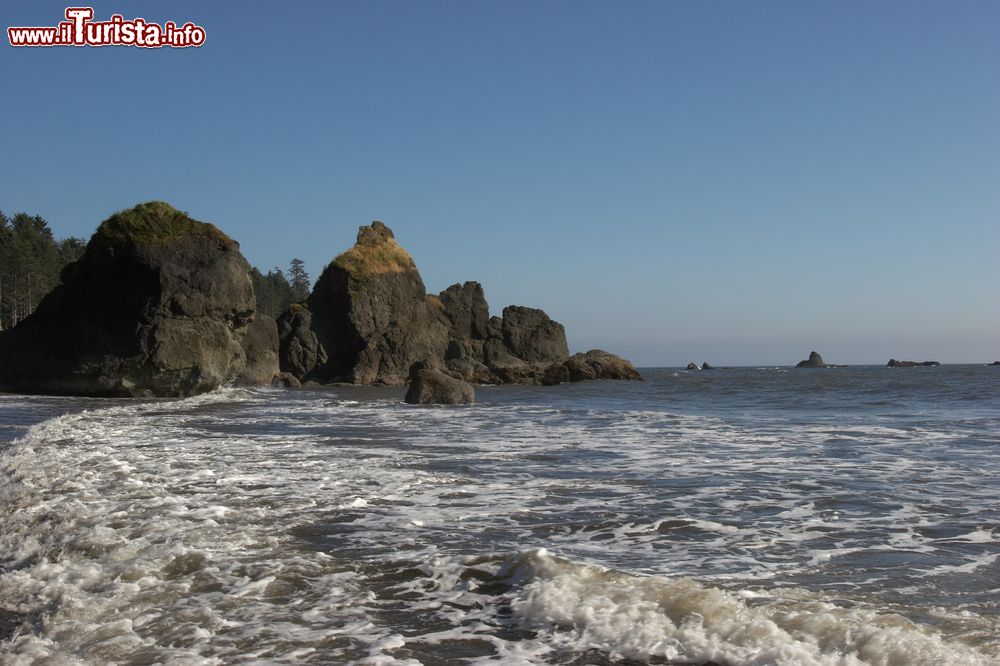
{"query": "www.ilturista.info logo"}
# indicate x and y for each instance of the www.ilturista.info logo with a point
(79, 29)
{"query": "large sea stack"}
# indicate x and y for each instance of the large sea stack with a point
(157, 306)
(369, 319)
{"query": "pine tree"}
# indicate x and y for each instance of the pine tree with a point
(299, 280)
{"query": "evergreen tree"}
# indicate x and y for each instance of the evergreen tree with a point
(299, 280)
(274, 294)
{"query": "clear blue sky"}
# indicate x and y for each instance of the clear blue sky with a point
(726, 181)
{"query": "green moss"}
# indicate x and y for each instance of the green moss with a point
(154, 222)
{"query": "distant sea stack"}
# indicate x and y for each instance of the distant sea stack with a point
(995, 363)
(158, 305)
(816, 361)
(707, 366)
(893, 363)
(693, 366)
(369, 319)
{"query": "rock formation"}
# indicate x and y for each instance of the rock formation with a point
(816, 361)
(595, 364)
(893, 363)
(995, 363)
(369, 319)
(706, 366)
(260, 345)
(158, 305)
(431, 386)
(693, 366)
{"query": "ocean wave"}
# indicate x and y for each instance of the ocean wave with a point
(290, 527)
(580, 607)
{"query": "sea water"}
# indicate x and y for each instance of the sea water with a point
(739, 516)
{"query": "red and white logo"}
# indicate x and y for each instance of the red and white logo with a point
(79, 29)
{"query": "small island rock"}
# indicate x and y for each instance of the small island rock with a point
(815, 361)
(893, 363)
(433, 387)
(693, 366)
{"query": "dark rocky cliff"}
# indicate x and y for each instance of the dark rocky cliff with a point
(157, 306)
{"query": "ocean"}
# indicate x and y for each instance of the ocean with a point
(736, 516)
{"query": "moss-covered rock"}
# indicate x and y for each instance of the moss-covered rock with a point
(157, 306)
(155, 222)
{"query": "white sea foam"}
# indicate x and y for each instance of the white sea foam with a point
(287, 527)
(580, 607)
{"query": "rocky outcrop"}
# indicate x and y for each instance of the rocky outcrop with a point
(467, 311)
(595, 364)
(693, 366)
(433, 387)
(158, 305)
(286, 380)
(816, 361)
(299, 350)
(707, 366)
(893, 363)
(995, 363)
(369, 319)
(530, 335)
(260, 345)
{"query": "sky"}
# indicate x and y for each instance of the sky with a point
(732, 182)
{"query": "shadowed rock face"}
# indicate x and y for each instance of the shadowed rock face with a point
(157, 306)
(369, 319)
(530, 335)
(466, 308)
(260, 344)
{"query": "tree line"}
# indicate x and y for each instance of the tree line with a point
(276, 290)
(31, 260)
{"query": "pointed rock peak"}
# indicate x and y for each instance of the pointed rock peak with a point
(154, 222)
(375, 252)
(815, 357)
(374, 234)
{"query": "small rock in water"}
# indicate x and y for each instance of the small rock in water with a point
(433, 387)
(9, 623)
